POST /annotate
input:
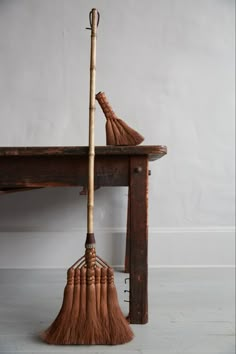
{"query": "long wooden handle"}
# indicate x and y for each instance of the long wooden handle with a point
(90, 202)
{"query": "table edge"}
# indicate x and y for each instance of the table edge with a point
(152, 151)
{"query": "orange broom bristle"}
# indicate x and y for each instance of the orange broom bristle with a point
(91, 333)
(103, 306)
(90, 312)
(71, 336)
(56, 332)
(120, 331)
(83, 304)
(98, 288)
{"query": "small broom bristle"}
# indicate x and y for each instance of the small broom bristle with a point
(55, 334)
(110, 135)
(128, 136)
(120, 133)
(120, 331)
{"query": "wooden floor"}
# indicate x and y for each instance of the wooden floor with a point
(191, 312)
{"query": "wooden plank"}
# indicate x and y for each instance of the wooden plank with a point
(53, 171)
(153, 151)
(138, 240)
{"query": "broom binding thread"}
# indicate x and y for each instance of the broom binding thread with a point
(90, 240)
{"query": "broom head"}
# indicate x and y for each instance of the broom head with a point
(90, 312)
(117, 131)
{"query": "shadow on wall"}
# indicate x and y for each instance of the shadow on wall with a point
(65, 210)
(61, 209)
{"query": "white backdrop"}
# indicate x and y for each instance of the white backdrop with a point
(167, 67)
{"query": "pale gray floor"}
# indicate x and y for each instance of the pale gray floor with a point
(191, 312)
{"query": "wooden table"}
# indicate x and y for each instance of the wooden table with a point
(37, 167)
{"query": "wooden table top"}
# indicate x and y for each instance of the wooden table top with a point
(153, 152)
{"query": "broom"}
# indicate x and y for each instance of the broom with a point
(117, 131)
(90, 312)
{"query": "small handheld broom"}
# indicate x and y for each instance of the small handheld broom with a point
(117, 131)
(90, 312)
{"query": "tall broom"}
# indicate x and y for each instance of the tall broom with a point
(90, 312)
(117, 131)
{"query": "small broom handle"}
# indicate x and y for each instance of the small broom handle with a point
(90, 202)
(105, 106)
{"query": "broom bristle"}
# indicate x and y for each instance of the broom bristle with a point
(83, 300)
(120, 133)
(98, 288)
(110, 135)
(55, 334)
(90, 312)
(120, 331)
(73, 329)
(128, 136)
(103, 306)
(91, 333)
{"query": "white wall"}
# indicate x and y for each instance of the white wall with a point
(167, 67)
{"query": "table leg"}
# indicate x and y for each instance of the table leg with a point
(127, 249)
(138, 250)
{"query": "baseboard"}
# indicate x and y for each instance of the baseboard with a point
(168, 247)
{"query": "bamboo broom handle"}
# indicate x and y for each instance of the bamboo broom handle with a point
(90, 201)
